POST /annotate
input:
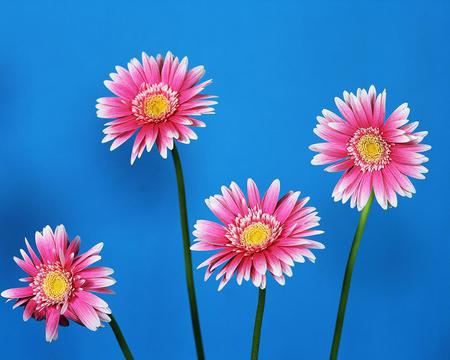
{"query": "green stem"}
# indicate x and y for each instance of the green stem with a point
(120, 339)
(258, 323)
(187, 255)
(348, 277)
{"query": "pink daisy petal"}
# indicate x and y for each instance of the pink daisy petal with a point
(274, 265)
(17, 293)
(270, 199)
(229, 201)
(222, 213)
(51, 324)
(96, 271)
(193, 77)
(151, 69)
(29, 309)
(91, 299)
(286, 206)
(96, 283)
(25, 266)
(253, 194)
(86, 313)
(260, 263)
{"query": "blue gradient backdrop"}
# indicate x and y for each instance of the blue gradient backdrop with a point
(275, 65)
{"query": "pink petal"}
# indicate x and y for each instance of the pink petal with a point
(239, 197)
(253, 194)
(379, 190)
(120, 90)
(95, 283)
(151, 69)
(273, 264)
(188, 94)
(91, 299)
(229, 201)
(45, 247)
(35, 258)
(222, 213)
(281, 255)
(270, 199)
(29, 309)
(286, 206)
(232, 265)
(210, 231)
(166, 67)
(343, 165)
(72, 249)
(212, 259)
(85, 263)
(16, 293)
(280, 280)
(179, 75)
(121, 139)
(346, 112)
(204, 246)
(193, 76)
(256, 277)
(86, 313)
(25, 266)
(51, 324)
(286, 269)
(260, 263)
(95, 250)
(223, 282)
(136, 72)
(96, 271)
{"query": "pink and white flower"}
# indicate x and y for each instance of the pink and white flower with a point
(156, 99)
(375, 155)
(61, 283)
(258, 236)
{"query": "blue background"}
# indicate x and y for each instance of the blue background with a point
(275, 65)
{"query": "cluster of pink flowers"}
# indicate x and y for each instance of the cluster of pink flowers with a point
(157, 100)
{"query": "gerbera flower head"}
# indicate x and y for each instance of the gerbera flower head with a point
(257, 236)
(61, 283)
(375, 155)
(157, 99)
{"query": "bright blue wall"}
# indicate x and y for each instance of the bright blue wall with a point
(275, 65)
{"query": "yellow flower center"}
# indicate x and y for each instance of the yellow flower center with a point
(370, 148)
(156, 105)
(255, 234)
(55, 285)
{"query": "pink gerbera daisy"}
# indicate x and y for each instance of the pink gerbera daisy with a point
(157, 99)
(257, 236)
(376, 155)
(61, 283)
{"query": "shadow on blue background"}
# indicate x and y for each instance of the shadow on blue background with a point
(275, 65)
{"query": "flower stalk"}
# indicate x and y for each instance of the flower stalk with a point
(120, 338)
(258, 324)
(348, 278)
(187, 255)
